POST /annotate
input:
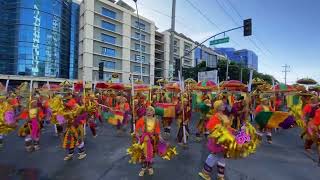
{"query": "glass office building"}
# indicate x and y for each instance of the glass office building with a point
(246, 57)
(39, 38)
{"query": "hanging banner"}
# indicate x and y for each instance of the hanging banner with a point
(208, 75)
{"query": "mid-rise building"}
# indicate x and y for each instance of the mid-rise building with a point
(182, 46)
(38, 39)
(110, 40)
(206, 54)
(244, 57)
(162, 50)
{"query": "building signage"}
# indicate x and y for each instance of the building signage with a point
(36, 38)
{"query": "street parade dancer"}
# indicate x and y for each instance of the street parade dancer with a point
(311, 131)
(265, 107)
(91, 105)
(31, 130)
(238, 112)
(7, 118)
(124, 107)
(167, 121)
(204, 108)
(147, 142)
(74, 135)
(226, 142)
(183, 118)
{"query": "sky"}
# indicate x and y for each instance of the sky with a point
(284, 31)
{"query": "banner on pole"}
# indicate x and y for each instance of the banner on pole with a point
(250, 80)
(208, 75)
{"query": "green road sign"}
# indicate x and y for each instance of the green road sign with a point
(219, 41)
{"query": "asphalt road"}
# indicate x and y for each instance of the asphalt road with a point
(107, 160)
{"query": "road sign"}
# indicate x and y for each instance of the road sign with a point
(219, 41)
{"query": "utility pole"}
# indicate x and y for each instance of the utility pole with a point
(227, 71)
(241, 69)
(173, 24)
(286, 70)
(140, 45)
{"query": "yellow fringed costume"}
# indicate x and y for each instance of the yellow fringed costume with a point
(5, 128)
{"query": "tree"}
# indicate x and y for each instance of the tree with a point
(234, 72)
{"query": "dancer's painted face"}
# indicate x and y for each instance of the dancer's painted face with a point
(150, 112)
(222, 107)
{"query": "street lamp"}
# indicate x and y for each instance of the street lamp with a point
(140, 49)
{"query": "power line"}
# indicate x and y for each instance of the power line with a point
(226, 12)
(235, 22)
(238, 13)
(209, 20)
(214, 24)
(200, 12)
(233, 7)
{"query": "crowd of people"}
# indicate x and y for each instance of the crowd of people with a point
(232, 123)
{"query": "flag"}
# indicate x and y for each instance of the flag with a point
(274, 119)
(165, 109)
(115, 117)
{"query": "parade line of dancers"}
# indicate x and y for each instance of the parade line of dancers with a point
(231, 122)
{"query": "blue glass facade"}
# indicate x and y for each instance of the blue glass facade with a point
(205, 54)
(39, 38)
(74, 39)
(244, 56)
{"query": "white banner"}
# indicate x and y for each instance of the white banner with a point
(250, 80)
(208, 75)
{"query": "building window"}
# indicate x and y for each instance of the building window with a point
(175, 43)
(137, 69)
(108, 13)
(109, 52)
(175, 50)
(110, 65)
(108, 26)
(108, 39)
(137, 35)
(142, 26)
(137, 47)
(137, 58)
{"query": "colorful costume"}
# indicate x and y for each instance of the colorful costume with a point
(147, 143)
(185, 111)
(74, 135)
(124, 107)
(31, 129)
(7, 118)
(265, 108)
(225, 142)
(93, 113)
(204, 108)
(313, 133)
(238, 112)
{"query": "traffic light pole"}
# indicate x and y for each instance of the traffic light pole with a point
(186, 54)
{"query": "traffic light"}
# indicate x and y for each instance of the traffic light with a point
(176, 67)
(101, 64)
(247, 27)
